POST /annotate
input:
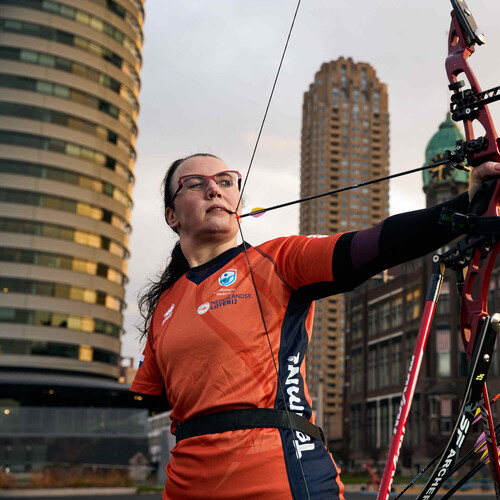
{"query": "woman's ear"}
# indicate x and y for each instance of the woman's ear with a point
(171, 218)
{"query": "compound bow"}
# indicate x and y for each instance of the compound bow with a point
(477, 252)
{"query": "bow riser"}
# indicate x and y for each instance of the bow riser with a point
(474, 304)
(461, 40)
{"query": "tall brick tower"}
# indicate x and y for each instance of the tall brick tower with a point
(345, 140)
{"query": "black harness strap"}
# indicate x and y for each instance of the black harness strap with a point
(251, 418)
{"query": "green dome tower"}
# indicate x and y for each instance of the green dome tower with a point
(443, 181)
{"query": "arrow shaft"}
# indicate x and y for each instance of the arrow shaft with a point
(341, 190)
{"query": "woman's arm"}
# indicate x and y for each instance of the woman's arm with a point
(360, 255)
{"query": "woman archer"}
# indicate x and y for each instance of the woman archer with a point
(233, 370)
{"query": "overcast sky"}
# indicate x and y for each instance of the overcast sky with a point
(208, 70)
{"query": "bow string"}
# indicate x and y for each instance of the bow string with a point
(254, 284)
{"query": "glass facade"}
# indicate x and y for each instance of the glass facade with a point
(73, 421)
(65, 120)
(64, 147)
(75, 67)
(34, 438)
(47, 230)
(66, 176)
(61, 290)
(56, 350)
(46, 259)
(81, 17)
(69, 94)
(24, 197)
(66, 38)
(67, 150)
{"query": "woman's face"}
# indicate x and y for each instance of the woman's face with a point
(205, 214)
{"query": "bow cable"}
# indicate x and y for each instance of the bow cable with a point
(280, 385)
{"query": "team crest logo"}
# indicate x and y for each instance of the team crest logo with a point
(228, 278)
(203, 308)
(168, 314)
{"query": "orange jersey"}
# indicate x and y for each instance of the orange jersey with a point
(208, 348)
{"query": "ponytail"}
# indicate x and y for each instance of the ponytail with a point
(177, 267)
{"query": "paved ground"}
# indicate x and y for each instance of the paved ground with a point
(350, 495)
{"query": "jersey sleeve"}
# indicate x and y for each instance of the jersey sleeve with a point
(148, 379)
(305, 260)
(359, 255)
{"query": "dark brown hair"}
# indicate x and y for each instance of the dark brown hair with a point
(177, 265)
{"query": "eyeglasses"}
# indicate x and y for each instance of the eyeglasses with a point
(198, 182)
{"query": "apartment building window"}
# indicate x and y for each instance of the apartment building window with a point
(385, 424)
(385, 315)
(384, 380)
(411, 340)
(396, 361)
(441, 416)
(357, 370)
(60, 261)
(59, 320)
(373, 367)
(61, 175)
(357, 426)
(56, 349)
(372, 319)
(372, 425)
(413, 428)
(357, 323)
(63, 204)
(60, 290)
(443, 353)
(397, 311)
(363, 80)
(443, 304)
(413, 303)
(446, 423)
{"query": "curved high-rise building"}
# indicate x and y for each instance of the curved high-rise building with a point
(69, 84)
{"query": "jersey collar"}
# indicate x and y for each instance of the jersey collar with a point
(199, 273)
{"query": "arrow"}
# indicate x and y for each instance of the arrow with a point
(257, 212)
(480, 442)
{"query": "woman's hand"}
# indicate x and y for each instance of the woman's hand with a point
(480, 173)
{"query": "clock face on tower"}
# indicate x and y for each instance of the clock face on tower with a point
(440, 173)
